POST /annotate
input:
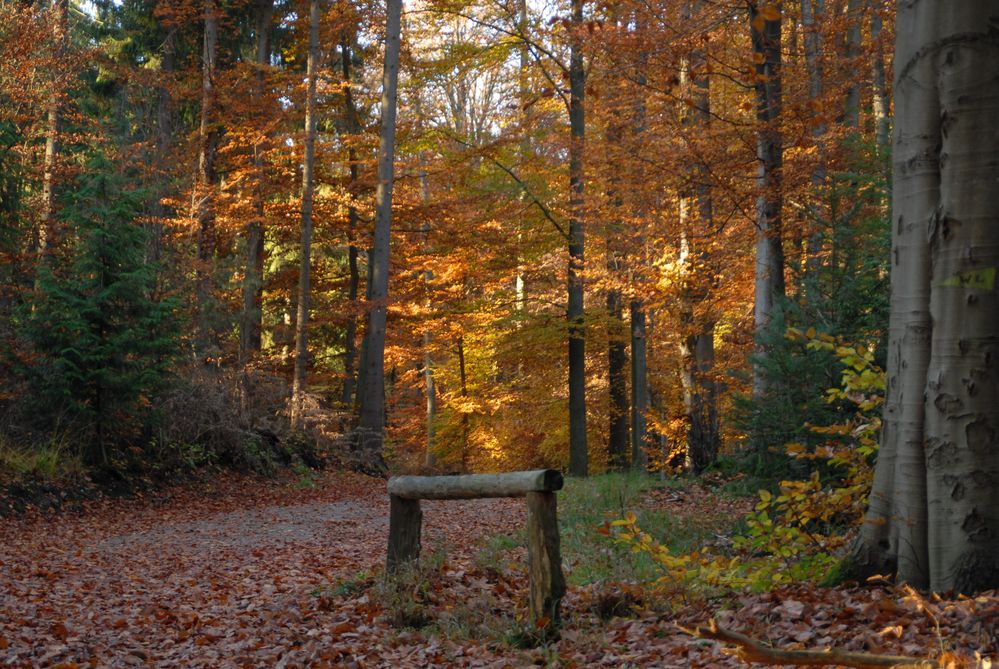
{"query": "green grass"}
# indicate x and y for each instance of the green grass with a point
(47, 461)
(591, 557)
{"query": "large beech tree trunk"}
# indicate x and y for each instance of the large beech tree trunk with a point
(766, 39)
(933, 519)
(251, 323)
(578, 453)
(308, 193)
(369, 436)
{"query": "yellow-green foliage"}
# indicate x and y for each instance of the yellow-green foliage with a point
(792, 535)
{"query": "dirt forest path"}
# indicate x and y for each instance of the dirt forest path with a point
(215, 575)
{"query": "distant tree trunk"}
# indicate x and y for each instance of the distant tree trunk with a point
(164, 145)
(371, 423)
(617, 360)
(933, 520)
(697, 323)
(353, 129)
(204, 197)
(639, 340)
(766, 40)
(881, 100)
(428, 358)
(523, 96)
(854, 19)
(463, 379)
(251, 324)
(308, 192)
(812, 12)
(578, 452)
(46, 224)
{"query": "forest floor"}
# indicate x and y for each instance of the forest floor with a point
(248, 572)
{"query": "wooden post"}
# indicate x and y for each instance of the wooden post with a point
(544, 557)
(405, 522)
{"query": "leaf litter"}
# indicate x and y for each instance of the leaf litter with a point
(249, 572)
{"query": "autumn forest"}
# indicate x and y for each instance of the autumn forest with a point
(713, 260)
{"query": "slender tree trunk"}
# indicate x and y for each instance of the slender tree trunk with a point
(353, 129)
(428, 358)
(881, 101)
(812, 12)
(854, 18)
(578, 452)
(639, 386)
(463, 379)
(617, 361)
(697, 321)
(204, 197)
(308, 193)
(371, 423)
(47, 237)
(164, 146)
(639, 340)
(523, 96)
(251, 324)
(766, 39)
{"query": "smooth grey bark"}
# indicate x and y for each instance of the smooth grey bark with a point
(578, 452)
(251, 323)
(353, 129)
(308, 195)
(203, 204)
(769, 285)
(370, 432)
(932, 517)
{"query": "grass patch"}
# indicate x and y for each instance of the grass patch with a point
(49, 461)
(590, 557)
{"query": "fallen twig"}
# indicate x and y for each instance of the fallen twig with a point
(751, 650)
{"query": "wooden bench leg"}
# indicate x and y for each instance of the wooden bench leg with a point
(544, 558)
(405, 522)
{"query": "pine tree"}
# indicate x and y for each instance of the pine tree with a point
(102, 341)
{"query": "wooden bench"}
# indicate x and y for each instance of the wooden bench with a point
(547, 583)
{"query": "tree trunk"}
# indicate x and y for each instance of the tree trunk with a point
(204, 197)
(371, 424)
(164, 144)
(881, 103)
(697, 325)
(429, 383)
(353, 129)
(578, 452)
(46, 235)
(639, 342)
(251, 324)
(932, 515)
(854, 20)
(308, 193)
(812, 12)
(463, 379)
(769, 289)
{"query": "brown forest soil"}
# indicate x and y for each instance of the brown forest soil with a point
(246, 572)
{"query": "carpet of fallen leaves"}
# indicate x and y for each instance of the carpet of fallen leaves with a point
(245, 572)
